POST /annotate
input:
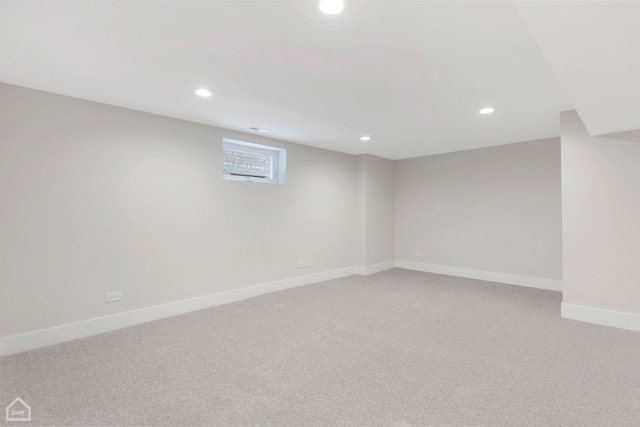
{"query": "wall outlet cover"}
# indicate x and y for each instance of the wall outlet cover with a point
(113, 296)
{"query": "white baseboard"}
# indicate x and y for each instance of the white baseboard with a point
(617, 319)
(511, 279)
(376, 268)
(72, 331)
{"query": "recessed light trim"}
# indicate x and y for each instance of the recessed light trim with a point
(365, 138)
(331, 7)
(487, 110)
(205, 93)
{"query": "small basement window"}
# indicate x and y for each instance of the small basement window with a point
(245, 161)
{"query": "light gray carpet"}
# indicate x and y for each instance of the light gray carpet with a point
(396, 348)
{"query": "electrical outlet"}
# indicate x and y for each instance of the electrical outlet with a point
(417, 253)
(304, 264)
(113, 296)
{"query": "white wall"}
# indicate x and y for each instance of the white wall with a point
(95, 198)
(601, 226)
(492, 209)
(375, 176)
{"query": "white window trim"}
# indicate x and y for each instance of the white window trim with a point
(278, 158)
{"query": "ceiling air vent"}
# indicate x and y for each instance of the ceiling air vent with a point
(259, 129)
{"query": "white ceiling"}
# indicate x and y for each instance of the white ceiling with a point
(413, 74)
(594, 49)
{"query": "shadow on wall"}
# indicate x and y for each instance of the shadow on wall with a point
(628, 136)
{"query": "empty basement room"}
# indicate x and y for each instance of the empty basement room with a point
(319, 213)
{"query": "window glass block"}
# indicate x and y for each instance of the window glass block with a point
(240, 163)
(247, 161)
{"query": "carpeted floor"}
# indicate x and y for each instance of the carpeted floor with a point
(396, 348)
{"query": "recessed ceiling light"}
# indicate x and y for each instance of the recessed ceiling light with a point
(331, 7)
(205, 93)
(365, 138)
(486, 110)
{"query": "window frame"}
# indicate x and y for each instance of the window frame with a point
(277, 155)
